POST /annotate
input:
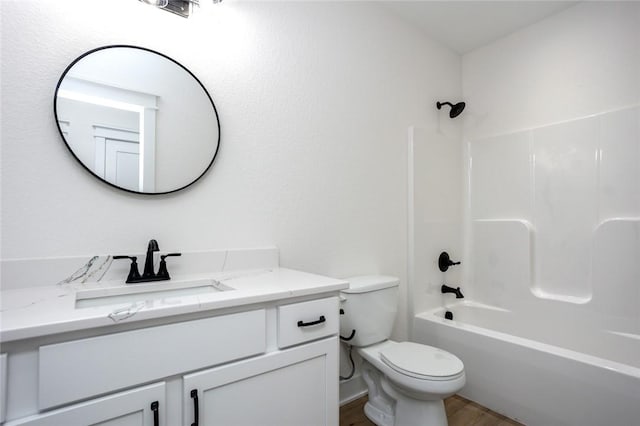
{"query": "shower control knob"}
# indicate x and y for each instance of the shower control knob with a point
(444, 261)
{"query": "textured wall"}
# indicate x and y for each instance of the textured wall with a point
(314, 101)
(582, 61)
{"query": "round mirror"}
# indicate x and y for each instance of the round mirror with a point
(137, 119)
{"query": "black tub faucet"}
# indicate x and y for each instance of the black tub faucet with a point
(446, 289)
(444, 261)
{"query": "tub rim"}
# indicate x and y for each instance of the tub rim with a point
(592, 360)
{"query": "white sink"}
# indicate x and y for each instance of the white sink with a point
(162, 291)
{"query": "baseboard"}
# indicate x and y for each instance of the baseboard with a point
(352, 389)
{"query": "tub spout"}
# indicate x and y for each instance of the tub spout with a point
(446, 289)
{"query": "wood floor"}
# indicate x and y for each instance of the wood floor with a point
(460, 412)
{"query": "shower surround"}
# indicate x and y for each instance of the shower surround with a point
(549, 330)
(554, 220)
(547, 223)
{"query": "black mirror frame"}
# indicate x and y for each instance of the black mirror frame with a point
(55, 111)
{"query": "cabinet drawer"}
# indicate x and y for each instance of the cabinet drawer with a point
(305, 321)
(83, 368)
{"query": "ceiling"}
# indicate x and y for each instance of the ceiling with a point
(466, 25)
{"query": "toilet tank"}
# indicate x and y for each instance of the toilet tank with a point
(370, 305)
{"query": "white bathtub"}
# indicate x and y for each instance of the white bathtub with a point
(543, 373)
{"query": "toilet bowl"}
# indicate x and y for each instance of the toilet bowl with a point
(406, 381)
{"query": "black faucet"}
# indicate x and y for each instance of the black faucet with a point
(446, 289)
(148, 274)
(148, 262)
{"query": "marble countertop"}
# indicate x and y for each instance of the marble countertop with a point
(40, 311)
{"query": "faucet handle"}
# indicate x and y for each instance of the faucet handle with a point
(163, 273)
(444, 261)
(170, 254)
(133, 271)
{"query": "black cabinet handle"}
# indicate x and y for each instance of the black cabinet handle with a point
(307, 324)
(196, 411)
(156, 415)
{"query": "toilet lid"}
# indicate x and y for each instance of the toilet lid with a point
(422, 361)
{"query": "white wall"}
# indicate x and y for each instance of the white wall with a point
(553, 128)
(314, 99)
(582, 61)
(435, 214)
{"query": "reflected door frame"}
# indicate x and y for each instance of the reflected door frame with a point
(109, 141)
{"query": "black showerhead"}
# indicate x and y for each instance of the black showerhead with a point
(456, 109)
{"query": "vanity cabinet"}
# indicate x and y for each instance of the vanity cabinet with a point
(272, 364)
(286, 388)
(97, 365)
(144, 406)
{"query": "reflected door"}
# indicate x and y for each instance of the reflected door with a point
(118, 157)
(122, 164)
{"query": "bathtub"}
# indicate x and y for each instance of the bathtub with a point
(535, 370)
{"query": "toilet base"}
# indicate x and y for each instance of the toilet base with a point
(427, 413)
(377, 416)
(387, 406)
(415, 412)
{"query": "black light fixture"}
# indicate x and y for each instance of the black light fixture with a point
(179, 7)
(157, 3)
(456, 109)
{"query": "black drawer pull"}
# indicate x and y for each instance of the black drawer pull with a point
(196, 413)
(308, 324)
(156, 415)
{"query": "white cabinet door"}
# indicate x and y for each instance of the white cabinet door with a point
(143, 406)
(294, 387)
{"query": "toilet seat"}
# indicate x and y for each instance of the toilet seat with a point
(422, 361)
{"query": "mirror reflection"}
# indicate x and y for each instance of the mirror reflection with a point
(137, 119)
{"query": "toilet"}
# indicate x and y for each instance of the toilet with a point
(407, 382)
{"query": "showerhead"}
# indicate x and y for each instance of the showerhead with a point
(456, 109)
